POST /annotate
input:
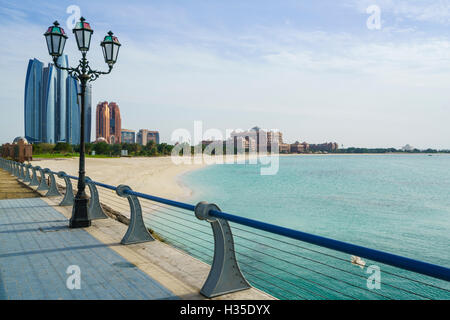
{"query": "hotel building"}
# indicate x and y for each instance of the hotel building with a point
(144, 136)
(128, 136)
(108, 122)
(256, 139)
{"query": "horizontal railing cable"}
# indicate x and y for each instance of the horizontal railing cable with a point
(325, 264)
(163, 214)
(311, 270)
(376, 255)
(295, 275)
(329, 255)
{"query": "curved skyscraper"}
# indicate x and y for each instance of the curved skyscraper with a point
(33, 101)
(52, 106)
(49, 105)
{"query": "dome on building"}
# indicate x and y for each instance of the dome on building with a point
(17, 139)
(101, 139)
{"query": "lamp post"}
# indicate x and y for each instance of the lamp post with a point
(56, 40)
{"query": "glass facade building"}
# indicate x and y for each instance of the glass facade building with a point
(128, 136)
(48, 106)
(52, 105)
(33, 100)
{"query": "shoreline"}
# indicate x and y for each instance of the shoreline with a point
(157, 176)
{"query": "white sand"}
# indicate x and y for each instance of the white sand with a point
(157, 176)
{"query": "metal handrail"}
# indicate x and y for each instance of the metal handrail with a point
(414, 265)
(220, 280)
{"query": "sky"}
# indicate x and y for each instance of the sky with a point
(319, 71)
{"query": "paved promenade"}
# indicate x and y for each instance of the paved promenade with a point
(40, 256)
(37, 247)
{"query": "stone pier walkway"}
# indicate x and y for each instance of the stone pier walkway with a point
(39, 253)
(42, 258)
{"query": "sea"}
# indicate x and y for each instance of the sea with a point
(398, 203)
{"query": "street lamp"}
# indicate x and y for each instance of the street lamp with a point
(56, 40)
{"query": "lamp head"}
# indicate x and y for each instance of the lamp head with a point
(110, 46)
(56, 40)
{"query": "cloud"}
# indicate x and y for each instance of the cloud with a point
(172, 69)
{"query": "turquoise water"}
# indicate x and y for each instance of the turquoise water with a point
(396, 203)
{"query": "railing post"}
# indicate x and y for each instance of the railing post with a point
(95, 210)
(225, 275)
(27, 173)
(21, 173)
(16, 169)
(34, 180)
(137, 231)
(53, 191)
(43, 183)
(68, 199)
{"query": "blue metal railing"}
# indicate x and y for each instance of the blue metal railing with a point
(308, 285)
(425, 268)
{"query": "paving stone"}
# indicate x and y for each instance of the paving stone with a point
(37, 247)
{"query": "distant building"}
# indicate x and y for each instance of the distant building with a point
(298, 147)
(102, 121)
(51, 104)
(33, 101)
(324, 147)
(20, 150)
(144, 136)
(115, 126)
(108, 122)
(284, 148)
(257, 139)
(128, 136)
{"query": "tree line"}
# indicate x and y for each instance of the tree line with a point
(103, 148)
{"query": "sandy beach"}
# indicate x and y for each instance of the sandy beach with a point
(156, 176)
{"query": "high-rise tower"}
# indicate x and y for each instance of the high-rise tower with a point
(102, 121)
(51, 104)
(115, 127)
(33, 101)
(108, 122)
